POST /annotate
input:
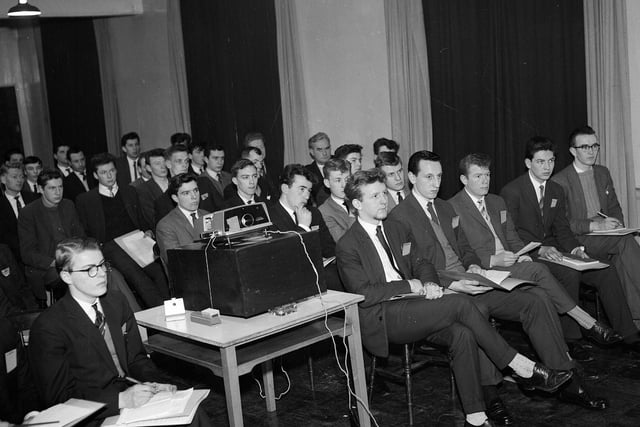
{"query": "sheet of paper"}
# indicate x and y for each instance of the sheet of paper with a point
(138, 246)
(161, 405)
(528, 248)
(66, 414)
(11, 360)
(496, 276)
(615, 232)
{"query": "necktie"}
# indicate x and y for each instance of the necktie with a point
(135, 171)
(346, 205)
(111, 192)
(84, 176)
(18, 203)
(483, 211)
(541, 202)
(216, 176)
(432, 212)
(194, 217)
(249, 201)
(387, 249)
(35, 188)
(99, 322)
(295, 218)
(67, 171)
(400, 198)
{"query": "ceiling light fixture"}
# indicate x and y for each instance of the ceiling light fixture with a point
(23, 9)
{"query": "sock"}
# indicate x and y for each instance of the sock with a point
(583, 318)
(490, 393)
(522, 366)
(477, 418)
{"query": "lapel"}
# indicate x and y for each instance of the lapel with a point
(576, 186)
(8, 213)
(339, 211)
(495, 216)
(98, 211)
(112, 317)
(446, 225)
(371, 258)
(284, 216)
(530, 195)
(601, 189)
(127, 200)
(218, 186)
(473, 210)
(395, 244)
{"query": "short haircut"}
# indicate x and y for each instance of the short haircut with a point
(335, 164)
(180, 138)
(197, 146)
(252, 136)
(68, 248)
(175, 182)
(248, 150)
(74, 150)
(10, 152)
(387, 158)
(58, 145)
(241, 164)
(414, 161)
(177, 148)
(583, 130)
(319, 137)
(101, 159)
(538, 143)
(478, 159)
(140, 158)
(211, 148)
(344, 150)
(32, 159)
(291, 170)
(4, 168)
(156, 152)
(384, 142)
(353, 189)
(47, 175)
(127, 136)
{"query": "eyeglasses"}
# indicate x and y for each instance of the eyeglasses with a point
(93, 270)
(585, 147)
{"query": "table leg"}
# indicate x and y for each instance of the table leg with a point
(231, 385)
(357, 365)
(267, 379)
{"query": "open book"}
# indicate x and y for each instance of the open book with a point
(577, 263)
(494, 278)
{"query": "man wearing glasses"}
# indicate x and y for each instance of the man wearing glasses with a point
(87, 345)
(592, 206)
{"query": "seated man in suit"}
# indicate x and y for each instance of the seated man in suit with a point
(41, 226)
(127, 162)
(382, 145)
(538, 209)
(110, 211)
(197, 158)
(87, 345)
(335, 210)
(266, 180)
(320, 152)
(12, 201)
(184, 223)
(13, 155)
(244, 178)
(176, 158)
(214, 180)
(60, 159)
(397, 189)
(436, 235)
(592, 205)
(489, 231)
(352, 153)
(257, 158)
(151, 190)
(378, 260)
(32, 168)
(78, 181)
(145, 175)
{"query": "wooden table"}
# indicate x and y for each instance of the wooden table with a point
(235, 346)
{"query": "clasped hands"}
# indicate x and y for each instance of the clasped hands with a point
(470, 287)
(430, 290)
(139, 394)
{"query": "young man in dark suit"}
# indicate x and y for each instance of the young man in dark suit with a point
(266, 180)
(214, 174)
(127, 162)
(336, 211)
(592, 205)
(78, 181)
(13, 199)
(110, 211)
(32, 168)
(320, 152)
(87, 345)
(176, 159)
(397, 189)
(151, 190)
(537, 207)
(434, 227)
(379, 261)
(244, 179)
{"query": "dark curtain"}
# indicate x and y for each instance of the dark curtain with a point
(74, 93)
(502, 71)
(232, 74)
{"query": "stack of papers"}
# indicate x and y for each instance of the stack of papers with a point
(65, 414)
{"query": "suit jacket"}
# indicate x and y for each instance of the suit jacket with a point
(9, 222)
(210, 195)
(225, 179)
(576, 204)
(12, 282)
(175, 230)
(91, 212)
(412, 216)
(209, 201)
(283, 222)
(147, 195)
(477, 231)
(235, 200)
(138, 182)
(70, 359)
(552, 228)
(73, 186)
(362, 273)
(336, 217)
(391, 203)
(27, 188)
(124, 173)
(195, 172)
(319, 193)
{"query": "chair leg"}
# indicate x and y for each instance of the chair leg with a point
(407, 378)
(372, 377)
(310, 368)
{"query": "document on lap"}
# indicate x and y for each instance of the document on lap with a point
(528, 248)
(577, 263)
(496, 279)
(138, 246)
(615, 232)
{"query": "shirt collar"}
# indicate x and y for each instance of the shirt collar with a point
(422, 201)
(245, 200)
(340, 202)
(87, 307)
(579, 168)
(370, 228)
(475, 199)
(187, 213)
(535, 182)
(105, 191)
(289, 211)
(211, 173)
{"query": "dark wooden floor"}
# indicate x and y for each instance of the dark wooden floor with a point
(619, 380)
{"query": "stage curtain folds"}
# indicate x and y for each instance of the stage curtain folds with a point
(177, 69)
(608, 95)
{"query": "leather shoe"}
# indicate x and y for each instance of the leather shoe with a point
(484, 424)
(583, 398)
(544, 379)
(602, 334)
(498, 413)
(579, 352)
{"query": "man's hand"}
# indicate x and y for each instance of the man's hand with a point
(550, 252)
(432, 291)
(580, 252)
(469, 287)
(602, 224)
(149, 234)
(475, 269)
(524, 258)
(304, 216)
(136, 395)
(503, 259)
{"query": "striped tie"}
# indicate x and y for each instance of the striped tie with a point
(100, 322)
